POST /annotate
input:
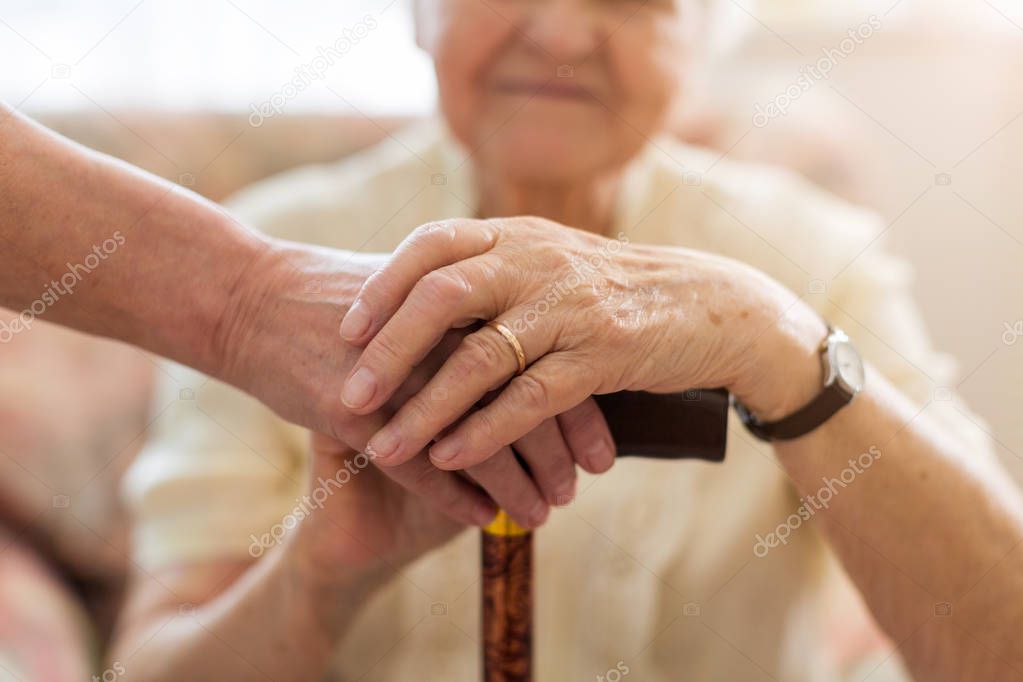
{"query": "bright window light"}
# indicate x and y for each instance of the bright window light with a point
(224, 55)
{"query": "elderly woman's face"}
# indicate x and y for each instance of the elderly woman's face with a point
(556, 90)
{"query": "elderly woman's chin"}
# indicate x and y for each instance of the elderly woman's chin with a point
(550, 152)
(538, 139)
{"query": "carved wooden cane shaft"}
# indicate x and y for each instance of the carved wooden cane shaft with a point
(507, 553)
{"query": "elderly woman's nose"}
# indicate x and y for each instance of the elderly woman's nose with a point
(563, 29)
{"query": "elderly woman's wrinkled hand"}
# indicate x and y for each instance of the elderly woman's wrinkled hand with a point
(295, 324)
(592, 315)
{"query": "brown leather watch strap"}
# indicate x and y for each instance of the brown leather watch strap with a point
(803, 421)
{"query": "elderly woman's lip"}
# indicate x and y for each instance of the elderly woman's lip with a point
(543, 88)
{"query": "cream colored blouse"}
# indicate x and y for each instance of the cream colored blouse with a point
(654, 568)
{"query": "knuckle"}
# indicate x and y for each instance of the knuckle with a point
(420, 416)
(447, 286)
(491, 231)
(533, 391)
(432, 233)
(464, 365)
(489, 269)
(487, 430)
(386, 351)
(384, 290)
(482, 350)
(375, 287)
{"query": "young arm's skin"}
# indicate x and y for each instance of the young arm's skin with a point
(173, 273)
(98, 245)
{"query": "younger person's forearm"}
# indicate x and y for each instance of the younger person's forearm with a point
(103, 247)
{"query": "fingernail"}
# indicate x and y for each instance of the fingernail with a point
(447, 449)
(565, 494)
(359, 388)
(538, 514)
(384, 443)
(356, 322)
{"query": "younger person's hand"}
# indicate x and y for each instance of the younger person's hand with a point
(282, 343)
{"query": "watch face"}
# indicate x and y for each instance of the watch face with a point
(849, 366)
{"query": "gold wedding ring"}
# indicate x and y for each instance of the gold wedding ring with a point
(513, 341)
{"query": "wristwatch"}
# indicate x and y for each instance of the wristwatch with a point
(843, 379)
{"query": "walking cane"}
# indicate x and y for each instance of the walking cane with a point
(691, 425)
(507, 569)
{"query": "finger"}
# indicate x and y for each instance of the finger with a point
(548, 388)
(438, 301)
(428, 248)
(503, 477)
(551, 463)
(423, 372)
(483, 361)
(446, 491)
(588, 437)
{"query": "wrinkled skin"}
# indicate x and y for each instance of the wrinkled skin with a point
(262, 335)
(594, 316)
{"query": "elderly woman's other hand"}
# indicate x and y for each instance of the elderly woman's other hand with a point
(592, 315)
(361, 522)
